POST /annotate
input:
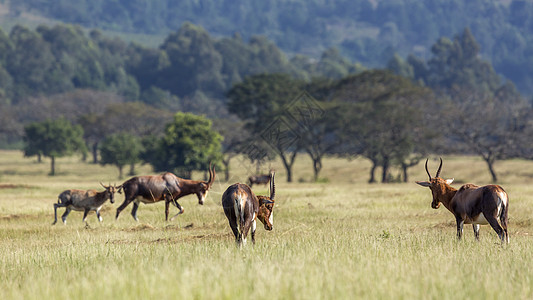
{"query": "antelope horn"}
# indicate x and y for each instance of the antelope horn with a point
(212, 175)
(427, 169)
(272, 186)
(105, 187)
(440, 167)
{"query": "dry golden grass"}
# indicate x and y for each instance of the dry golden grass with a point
(339, 240)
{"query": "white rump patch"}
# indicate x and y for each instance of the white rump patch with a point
(504, 199)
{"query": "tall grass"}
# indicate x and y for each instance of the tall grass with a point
(339, 240)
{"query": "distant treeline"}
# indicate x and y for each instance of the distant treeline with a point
(366, 31)
(51, 60)
(452, 102)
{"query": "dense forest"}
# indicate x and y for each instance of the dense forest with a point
(365, 31)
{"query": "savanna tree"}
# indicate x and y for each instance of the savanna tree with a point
(53, 139)
(189, 143)
(120, 149)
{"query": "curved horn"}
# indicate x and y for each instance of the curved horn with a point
(272, 186)
(212, 175)
(427, 169)
(440, 167)
(105, 187)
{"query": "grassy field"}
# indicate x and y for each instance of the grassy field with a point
(339, 240)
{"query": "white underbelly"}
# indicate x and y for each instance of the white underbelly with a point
(481, 220)
(144, 200)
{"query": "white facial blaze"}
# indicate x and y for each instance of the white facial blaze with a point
(203, 197)
(271, 218)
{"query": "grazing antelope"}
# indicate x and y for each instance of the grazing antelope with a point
(167, 186)
(85, 201)
(242, 207)
(258, 179)
(471, 204)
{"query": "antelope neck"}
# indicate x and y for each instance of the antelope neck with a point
(446, 194)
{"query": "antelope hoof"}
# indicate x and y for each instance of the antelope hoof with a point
(181, 211)
(54, 223)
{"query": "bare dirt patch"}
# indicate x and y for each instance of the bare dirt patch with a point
(175, 240)
(17, 217)
(14, 186)
(141, 227)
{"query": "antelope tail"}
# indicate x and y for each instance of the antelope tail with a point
(239, 214)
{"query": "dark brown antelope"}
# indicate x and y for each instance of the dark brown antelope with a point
(85, 201)
(242, 207)
(167, 186)
(471, 204)
(258, 179)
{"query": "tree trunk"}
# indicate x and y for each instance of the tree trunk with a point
(385, 170)
(372, 171)
(404, 171)
(132, 169)
(317, 166)
(39, 158)
(95, 152)
(119, 172)
(288, 163)
(53, 166)
(226, 169)
(490, 164)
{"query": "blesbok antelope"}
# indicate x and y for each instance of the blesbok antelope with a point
(81, 200)
(242, 207)
(167, 186)
(471, 204)
(258, 179)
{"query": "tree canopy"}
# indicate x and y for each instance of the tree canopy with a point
(53, 139)
(120, 149)
(189, 144)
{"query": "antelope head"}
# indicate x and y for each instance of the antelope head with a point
(266, 205)
(437, 185)
(110, 191)
(204, 186)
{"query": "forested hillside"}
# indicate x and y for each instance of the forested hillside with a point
(366, 31)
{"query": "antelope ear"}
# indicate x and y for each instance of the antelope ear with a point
(449, 181)
(423, 183)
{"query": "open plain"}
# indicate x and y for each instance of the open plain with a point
(341, 238)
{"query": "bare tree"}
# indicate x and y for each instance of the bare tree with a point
(486, 124)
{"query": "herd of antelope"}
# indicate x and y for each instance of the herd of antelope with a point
(470, 204)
